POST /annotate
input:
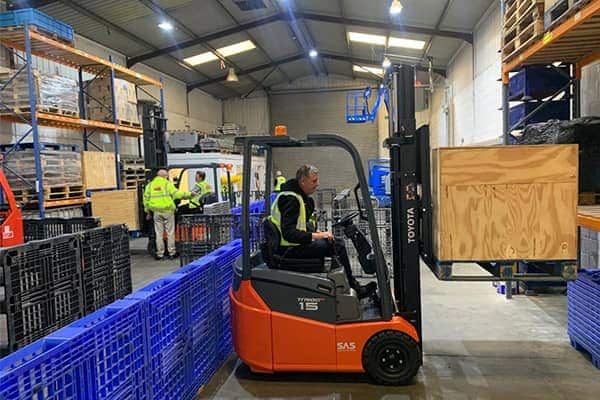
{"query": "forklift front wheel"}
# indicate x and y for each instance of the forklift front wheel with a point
(391, 358)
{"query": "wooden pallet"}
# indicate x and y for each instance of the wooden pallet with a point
(44, 109)
(527, 26)
(51, 193)
(124, 122)
(519, 9)
(560, 11)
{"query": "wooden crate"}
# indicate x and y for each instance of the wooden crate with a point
(116, 207)
(505, 203)
(98, 170)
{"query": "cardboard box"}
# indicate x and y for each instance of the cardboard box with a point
(98, 170)
(116, 207)
(125, 100)
(505, 203)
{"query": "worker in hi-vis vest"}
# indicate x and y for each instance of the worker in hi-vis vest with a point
(159, 198)
(279, 180)
(200, 189)
(292, 213)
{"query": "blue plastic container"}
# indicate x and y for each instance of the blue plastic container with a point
(536, 82)
(30, 16)
(555, 110)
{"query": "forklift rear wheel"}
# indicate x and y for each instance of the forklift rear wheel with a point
(391, 358)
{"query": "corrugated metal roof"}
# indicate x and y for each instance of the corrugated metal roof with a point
(207, 17)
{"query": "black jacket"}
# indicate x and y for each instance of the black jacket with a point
(290, 210)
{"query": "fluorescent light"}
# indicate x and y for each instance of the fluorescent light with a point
(396, 7)
(366, 38)
(366, 70)
(201, 58)
(313, 53)
(166, 26)
(406, 43)
(386, 63)
(226, 51)
(236, 48)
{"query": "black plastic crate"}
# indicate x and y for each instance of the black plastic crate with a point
(38, 229)
(190, 251)
(66, 304)
(24, 321)
(122, 281)
(106, 266)
(42, 285)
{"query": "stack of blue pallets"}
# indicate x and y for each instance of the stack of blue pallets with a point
(30, 16)
(162, 342)
(584, 313)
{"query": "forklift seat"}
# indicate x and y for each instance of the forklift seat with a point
(275, 260)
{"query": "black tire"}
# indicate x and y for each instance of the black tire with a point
(391, 358)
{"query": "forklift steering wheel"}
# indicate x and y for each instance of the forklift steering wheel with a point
(346, 219)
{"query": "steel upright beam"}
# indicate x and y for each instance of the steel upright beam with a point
(115, 121)
(39, 186)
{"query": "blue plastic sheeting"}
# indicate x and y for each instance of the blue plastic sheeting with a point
(583, 304)
(163, 341)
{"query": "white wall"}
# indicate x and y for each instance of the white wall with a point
(590, 90)
(471, 95)
(252, 112)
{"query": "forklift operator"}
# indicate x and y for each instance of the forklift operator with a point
(292, 213)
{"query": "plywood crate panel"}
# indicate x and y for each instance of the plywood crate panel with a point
(116, 207)
(505, 203)
(98, 169)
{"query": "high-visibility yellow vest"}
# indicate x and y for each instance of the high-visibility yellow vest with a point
(275, 216)
(203, 188)
(159, 195)
(280, 180)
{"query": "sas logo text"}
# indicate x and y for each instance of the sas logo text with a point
(346, 346)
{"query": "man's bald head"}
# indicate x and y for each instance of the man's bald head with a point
(163, 173)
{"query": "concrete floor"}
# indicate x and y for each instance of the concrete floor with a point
(477, 345)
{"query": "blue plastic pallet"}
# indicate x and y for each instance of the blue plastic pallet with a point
(580, 341)
(583, 313)
(45, 369)
(30, 16)
(167, 339)
(110, 342)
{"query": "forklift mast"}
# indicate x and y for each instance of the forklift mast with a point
(154, 125)
(408, 149)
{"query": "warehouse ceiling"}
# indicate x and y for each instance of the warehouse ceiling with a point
(281, 34)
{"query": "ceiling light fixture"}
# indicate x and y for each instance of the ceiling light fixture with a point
(226, 51)
(366, 38)
(406, 43)
(368, 70)
(386, 63)
(232, 76)
(166, 26)
(313, 53)
(396, 7)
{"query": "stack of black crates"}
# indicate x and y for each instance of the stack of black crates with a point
(46, 284)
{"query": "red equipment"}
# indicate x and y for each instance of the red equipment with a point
(11, 218)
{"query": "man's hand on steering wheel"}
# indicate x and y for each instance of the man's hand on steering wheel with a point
(322, 235)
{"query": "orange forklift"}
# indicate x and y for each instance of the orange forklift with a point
(11, 218)
(302, 314)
